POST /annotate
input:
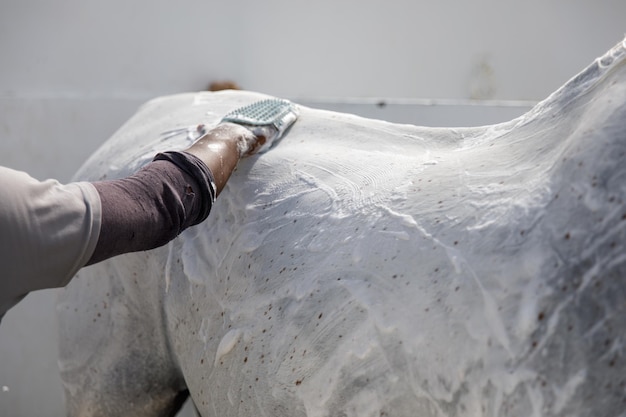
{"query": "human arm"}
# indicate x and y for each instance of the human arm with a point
(51, 230)
(176, 190)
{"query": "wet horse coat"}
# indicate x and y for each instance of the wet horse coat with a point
(364, 268)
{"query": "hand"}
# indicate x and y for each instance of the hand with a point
(221, 148)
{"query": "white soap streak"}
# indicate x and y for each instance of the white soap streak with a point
(565, 393)
(168, 267)
(227, 344)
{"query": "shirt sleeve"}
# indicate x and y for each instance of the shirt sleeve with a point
(48, 231)
(153, 206)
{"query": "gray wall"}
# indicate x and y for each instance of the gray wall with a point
(72, 71)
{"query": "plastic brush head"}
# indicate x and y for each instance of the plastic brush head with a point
(274, 112)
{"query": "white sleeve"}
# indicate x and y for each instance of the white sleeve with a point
(48, 231)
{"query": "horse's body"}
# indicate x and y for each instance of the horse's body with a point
(364, 268)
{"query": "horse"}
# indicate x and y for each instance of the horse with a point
(368, 268)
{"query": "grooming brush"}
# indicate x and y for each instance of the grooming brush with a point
(269, 118)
